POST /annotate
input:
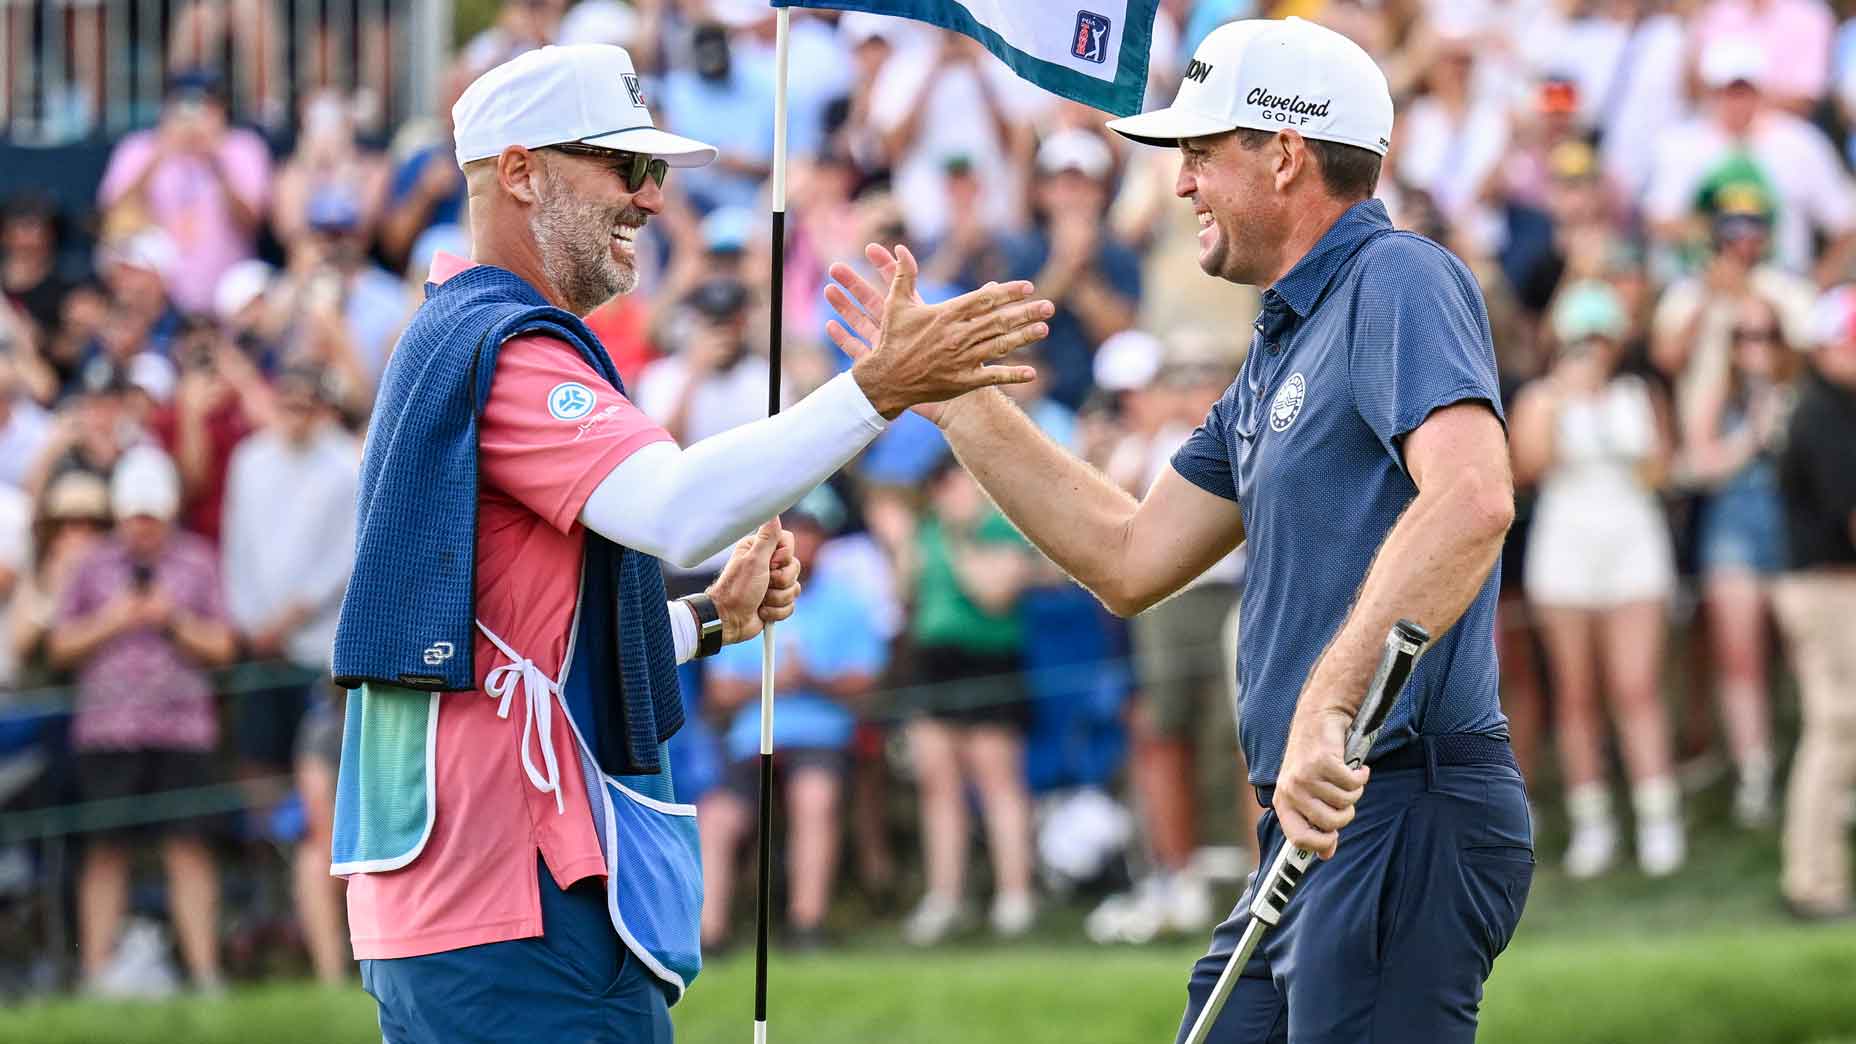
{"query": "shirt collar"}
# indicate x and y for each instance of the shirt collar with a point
(1303, 284)
(446, 264)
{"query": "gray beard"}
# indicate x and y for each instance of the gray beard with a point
(575, 241)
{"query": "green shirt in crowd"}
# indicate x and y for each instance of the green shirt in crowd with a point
(944, 614)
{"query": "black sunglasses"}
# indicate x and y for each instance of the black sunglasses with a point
(634, 167)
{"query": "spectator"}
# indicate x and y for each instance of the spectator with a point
(1451, 137)
(1739, 137)
(969, 567)
(731, 102)
(829, 658)
(973, 252)
(941, 96)
(427, 188)
(220, 400)
(1800, 30)
(29, 275)
(1691, 334)
(1184, 766)
(328, 159)
(203, 182)
(520, 26)
(1094, 280)
(1731, 450)
(139, 623)
(1628, 59)
(1816, 600)
(92, 431)
(713, 381)
(329, 272)
(284, 578)
(15, 566)
(1599, 574)
(142, 318)
(24, 426)
(71, 518)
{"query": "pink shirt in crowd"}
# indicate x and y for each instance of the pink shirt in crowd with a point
(138, 691)
(475, 882)
(1794, 35)
(187, 200)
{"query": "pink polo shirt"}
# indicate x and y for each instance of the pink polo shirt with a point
(475, 881)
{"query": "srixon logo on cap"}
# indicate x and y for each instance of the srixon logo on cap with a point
(1293, 111)
(1197, 71)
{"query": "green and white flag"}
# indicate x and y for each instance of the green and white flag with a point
(1094, 51)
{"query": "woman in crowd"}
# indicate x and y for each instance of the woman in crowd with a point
(970, 568)
(1599, 574)
(1730, 448)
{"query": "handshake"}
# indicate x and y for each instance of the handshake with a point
(908, 353)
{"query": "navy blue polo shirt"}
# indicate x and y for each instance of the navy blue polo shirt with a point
(1370, 332)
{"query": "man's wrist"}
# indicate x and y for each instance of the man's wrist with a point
(714, 627)
(880, 398)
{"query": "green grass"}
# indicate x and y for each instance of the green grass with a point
(1754, 985)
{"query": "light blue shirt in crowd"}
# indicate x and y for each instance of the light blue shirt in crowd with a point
(833, 630)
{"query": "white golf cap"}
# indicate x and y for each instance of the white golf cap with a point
(587, 93)
(1270, 74)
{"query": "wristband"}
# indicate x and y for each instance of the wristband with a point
(708, 624)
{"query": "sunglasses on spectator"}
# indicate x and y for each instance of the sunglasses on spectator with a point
(634, 167)
(1762, 334)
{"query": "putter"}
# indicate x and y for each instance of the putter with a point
(1404, 644)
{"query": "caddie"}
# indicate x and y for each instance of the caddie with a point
(1362, 451)
(518, 865)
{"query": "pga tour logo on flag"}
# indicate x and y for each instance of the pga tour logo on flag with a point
(1091, 40)
(1096, 55)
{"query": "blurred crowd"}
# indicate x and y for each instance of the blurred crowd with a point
(1655, 196)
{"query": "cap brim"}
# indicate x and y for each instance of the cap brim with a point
(674, 149)
(1164, 127)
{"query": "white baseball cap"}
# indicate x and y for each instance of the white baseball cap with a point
(1075, 150)
(144, 482)
(586, 93)
(1270, 74)
(1731, 61)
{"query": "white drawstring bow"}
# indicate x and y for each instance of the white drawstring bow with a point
(538, 691)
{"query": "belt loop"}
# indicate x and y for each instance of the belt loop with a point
(1430, 761)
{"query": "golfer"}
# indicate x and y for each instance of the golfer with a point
(1362, 450)
(519, 867)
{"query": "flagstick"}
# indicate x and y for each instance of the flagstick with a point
(763, 901)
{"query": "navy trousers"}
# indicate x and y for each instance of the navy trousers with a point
(574, 984)
(1391, 940)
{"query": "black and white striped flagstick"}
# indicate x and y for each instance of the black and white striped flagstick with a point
(763, 900)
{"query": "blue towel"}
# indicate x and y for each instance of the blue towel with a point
(408, 618)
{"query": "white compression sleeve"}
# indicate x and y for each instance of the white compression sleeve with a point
(684, 505)
(683, 633)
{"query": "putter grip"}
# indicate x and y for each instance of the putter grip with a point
(1404, 643)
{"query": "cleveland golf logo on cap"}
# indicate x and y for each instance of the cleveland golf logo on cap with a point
(1292, 110)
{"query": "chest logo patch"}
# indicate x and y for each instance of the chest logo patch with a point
(1288, 402)
(570, 401)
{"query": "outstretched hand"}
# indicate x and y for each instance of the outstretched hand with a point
(907, 353)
